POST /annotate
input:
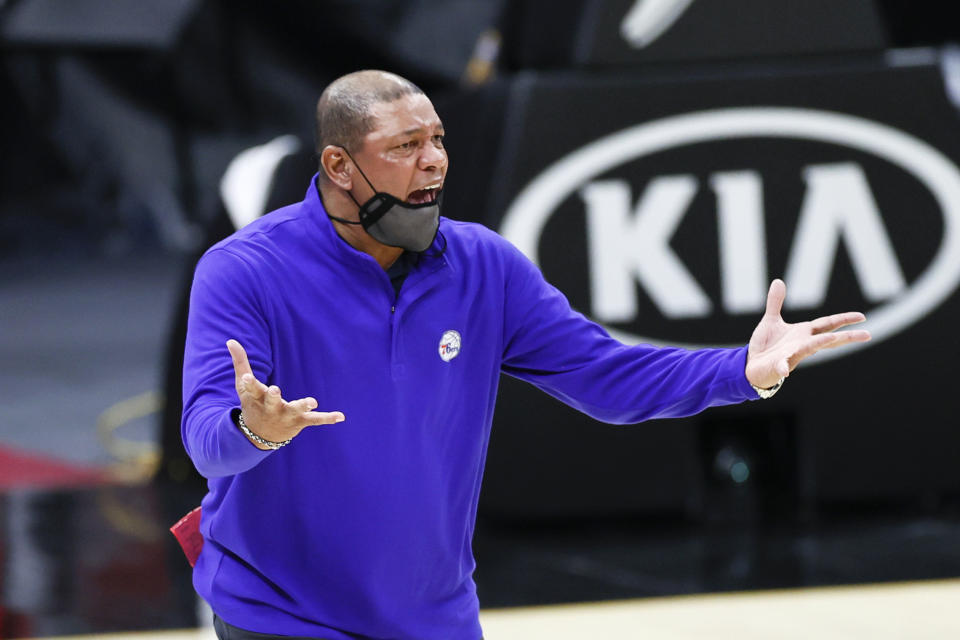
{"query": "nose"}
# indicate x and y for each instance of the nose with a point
(433, 157)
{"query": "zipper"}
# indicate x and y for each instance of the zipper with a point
(411, 289)
(396, 368)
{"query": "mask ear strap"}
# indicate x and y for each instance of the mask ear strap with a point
(344, 220)
(350, 193)
(361, 173)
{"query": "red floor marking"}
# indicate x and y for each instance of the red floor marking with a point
(20, 469)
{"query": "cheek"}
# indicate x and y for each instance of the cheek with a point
(398, 175)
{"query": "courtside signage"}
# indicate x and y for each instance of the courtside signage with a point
(628, 234)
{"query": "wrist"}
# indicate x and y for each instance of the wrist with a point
(255, 439)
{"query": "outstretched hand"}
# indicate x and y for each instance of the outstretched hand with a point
(265, 412)
(777, 347)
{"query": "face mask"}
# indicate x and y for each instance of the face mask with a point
(395, 223)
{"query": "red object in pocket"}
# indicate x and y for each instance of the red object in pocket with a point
(187, 533)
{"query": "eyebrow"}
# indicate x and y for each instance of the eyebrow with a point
(415, 130)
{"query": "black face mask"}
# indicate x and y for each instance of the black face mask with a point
(395, 223)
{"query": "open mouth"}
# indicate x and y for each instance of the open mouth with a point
(424, 196)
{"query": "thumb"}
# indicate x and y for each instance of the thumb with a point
(775, 297)
(241, 365)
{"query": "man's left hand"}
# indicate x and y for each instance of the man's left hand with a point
(777, 347)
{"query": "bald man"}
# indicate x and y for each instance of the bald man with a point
(341, 368)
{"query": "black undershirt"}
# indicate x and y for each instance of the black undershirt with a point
(398, 271)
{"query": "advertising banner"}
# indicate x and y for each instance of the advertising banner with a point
(663, 209)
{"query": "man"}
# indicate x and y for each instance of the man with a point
(362, 302)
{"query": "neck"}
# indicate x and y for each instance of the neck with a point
(356, 236)
(360, 240)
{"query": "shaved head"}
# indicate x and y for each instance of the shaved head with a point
(343, 111)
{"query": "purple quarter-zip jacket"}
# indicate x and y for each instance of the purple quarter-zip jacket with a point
(363, 529)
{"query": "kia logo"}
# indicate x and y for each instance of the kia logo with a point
(628, 238)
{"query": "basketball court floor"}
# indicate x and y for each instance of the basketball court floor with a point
(905, 610)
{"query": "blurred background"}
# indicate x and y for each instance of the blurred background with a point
(661, 160)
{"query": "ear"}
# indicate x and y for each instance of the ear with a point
(334, 162)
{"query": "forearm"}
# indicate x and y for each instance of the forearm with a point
(625, 385)
(215, 444)
(574, 359)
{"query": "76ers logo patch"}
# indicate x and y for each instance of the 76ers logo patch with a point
(449, 345)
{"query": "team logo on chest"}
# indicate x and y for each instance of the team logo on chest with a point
(449, 345)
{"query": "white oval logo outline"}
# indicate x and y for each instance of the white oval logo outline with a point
(535, 204)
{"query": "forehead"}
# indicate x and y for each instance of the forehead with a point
(412, 113)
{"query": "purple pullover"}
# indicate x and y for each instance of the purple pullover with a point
(363, 529)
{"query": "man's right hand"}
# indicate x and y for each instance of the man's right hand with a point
(265, 412)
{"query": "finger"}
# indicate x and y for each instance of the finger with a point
(775, 297)
(829, 341)
(829, 323)
(302, 405)
(246, 382)
(315, 418)
(846, 337)
(273, 399)
(251, 386)
(241, 364)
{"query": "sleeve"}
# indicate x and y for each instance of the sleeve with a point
(575, 360)
(224, 304)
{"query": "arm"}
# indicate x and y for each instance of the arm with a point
(575, 360)
(224, 304)
(219, 378)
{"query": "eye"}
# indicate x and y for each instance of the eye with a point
(438, 139)
(406, 146)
